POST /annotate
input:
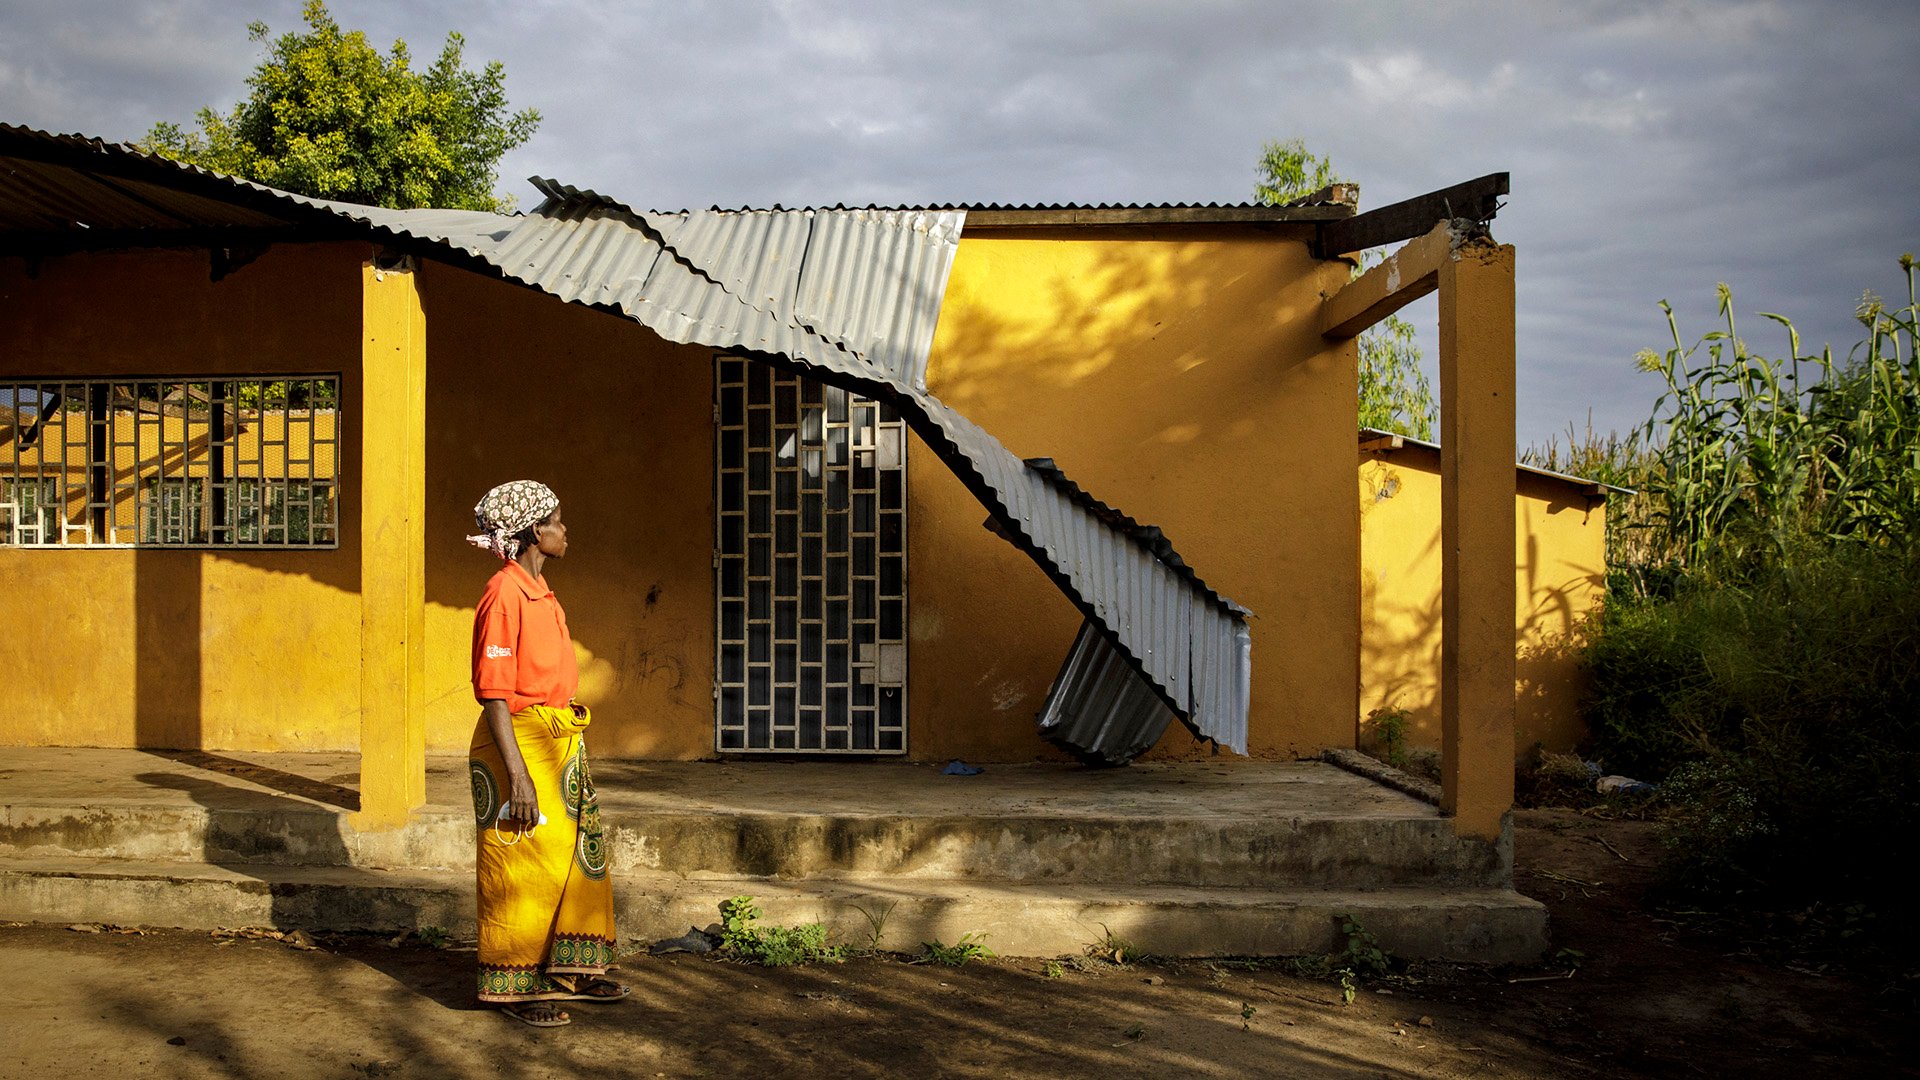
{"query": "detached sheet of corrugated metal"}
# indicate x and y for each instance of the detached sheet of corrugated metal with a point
(1099, 708)
(850, 293)
(1190, 642)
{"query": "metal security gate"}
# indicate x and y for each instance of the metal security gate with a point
(810, 566)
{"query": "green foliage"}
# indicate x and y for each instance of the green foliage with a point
(1388, 728)
(1362, 957)
(785, 946)
(1394, 392)
(1052, 969)
(327, 115)
(737, 931)
(1776, 700)
(970, 947)
(772, 946)
(1289, 171)
(876, 917)
(433, 937)
(1753, 456)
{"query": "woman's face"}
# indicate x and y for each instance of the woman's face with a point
(550, 536)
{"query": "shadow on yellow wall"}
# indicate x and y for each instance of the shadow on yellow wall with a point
(1559, 567)
(1174, 372)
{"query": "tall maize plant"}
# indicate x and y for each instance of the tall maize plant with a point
(1746, 455)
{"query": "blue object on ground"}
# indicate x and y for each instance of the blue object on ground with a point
(956, 767)
(1623, 785)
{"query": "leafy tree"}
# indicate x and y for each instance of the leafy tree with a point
(328, 116)
(1394, 392)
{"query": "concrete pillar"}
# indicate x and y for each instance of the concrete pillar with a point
(393, 369)
(1476, 537)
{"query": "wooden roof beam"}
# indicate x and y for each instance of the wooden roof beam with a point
(1401, 278)
(1476, 200)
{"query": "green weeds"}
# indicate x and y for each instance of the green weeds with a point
(772, 946)
(969, 948)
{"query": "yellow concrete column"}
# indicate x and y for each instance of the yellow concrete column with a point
(1476, 537)
(393, 374)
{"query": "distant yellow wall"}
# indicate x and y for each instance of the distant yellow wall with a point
(243, 649)
(1173, 372)
(1560, 575)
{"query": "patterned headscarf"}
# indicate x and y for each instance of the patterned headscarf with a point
(508, 510)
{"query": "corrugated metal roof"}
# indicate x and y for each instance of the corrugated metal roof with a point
(849, 295)
(1098, 709)
(1367, 434)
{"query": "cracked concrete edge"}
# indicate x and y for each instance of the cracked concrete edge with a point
(1382, 773)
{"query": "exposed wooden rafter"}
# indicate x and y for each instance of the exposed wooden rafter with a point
(1476, 200)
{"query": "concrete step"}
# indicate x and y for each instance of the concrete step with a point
(1486, 925)
(1371, 850)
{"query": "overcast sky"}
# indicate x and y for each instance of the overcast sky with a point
(1656, 147)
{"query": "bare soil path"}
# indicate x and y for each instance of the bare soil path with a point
(1650, 998)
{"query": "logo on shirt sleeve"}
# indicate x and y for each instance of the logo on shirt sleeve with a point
(495, 652)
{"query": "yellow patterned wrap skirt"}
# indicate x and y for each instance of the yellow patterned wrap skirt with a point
(546, 904)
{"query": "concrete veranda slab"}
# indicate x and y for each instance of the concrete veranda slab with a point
(1191, 858)
(238, 780)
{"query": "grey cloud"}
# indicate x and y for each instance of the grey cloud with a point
(1656, 146)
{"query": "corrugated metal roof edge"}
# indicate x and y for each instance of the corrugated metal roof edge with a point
(1378, 433)
(1313, 208)
(56, 146)
(1150, 537)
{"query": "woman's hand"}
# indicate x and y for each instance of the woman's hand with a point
(523, 803)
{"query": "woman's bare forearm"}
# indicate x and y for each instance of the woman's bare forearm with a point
(523, 803)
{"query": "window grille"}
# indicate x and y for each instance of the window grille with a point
(810, 566)
(240, 462)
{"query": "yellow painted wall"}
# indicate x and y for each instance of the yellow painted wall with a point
(241, 649)
(1173, 372)
(260, 650)
(1560, 575)
(620, 424)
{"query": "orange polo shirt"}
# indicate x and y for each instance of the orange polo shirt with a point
(522, 653)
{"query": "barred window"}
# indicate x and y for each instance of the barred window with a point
(237, 462)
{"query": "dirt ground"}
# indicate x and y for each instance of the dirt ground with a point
(1653, 995)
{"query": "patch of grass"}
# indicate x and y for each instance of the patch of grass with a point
(876, 922)
(1116, 950)
(969, 948)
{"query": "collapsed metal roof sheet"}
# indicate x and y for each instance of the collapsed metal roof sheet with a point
(848, 295)
(1098, 709)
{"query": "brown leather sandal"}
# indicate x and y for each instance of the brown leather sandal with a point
(540, 1014)
(593, 988)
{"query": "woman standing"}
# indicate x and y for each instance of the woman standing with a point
(546, 906)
